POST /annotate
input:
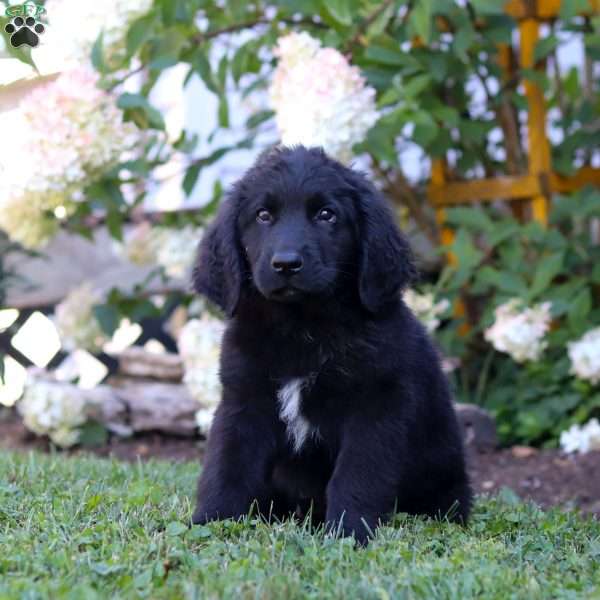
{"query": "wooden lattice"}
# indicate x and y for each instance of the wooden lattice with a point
(540, 182)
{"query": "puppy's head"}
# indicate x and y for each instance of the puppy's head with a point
(301, 226)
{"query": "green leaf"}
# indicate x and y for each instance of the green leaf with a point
(201, 66)
(386, 55)
(488, 7)
(415, 85)
(114, 223)
(447, 115)
(258, 118)
(223, 112)
(595, 277)
(98, 54)
(425, 133)
(537, 77)
(93, 435)
(165, 51)
(141, 108)
(464, 38)
(545, 272)
(138, 33)
(420, 18)
(175, 529)
(340, 10)
(379, 24)
(472, 218)
(191, 177)
(544, 47)
(511, 283)
(570, 8)
(107, 317)
(578, 313)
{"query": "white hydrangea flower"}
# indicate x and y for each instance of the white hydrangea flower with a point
(74, 26)
(519, 331)
(57, 410)
(319, 98)
(140, 244)
(75, 320)
(173, 249)
(200, 345)
(425, 308)
(177, 250)
(69, 133)
(581, 439)
(585, 356)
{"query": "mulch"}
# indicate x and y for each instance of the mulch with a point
(548, 477)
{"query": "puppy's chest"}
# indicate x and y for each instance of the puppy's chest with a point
(292, 398)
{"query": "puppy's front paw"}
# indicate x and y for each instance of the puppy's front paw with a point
(206, 513)
(201, 516)
(356, 528)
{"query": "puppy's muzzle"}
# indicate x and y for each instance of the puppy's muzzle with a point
(287, 263)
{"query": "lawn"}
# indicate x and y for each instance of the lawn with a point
(87, 527)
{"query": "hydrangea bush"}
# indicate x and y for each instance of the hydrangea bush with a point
(520, 331)
(70, 133)
(75, 320)
(54, 410)
(530, 342)
(319, 98)
(349, 76)
(173, 249)
(199, 345)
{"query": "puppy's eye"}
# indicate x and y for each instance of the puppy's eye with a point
(327, 215)
(264, 216)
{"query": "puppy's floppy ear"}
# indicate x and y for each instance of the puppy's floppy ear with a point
(386, 263)
(218, 273)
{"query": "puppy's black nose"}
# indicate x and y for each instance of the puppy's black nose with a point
(286, 263)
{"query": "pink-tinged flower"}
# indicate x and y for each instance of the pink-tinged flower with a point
(519, 331)
(319, 98)
(67, 133)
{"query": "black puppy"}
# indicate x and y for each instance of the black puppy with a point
(333, 397)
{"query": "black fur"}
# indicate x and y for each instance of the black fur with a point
(384, 433)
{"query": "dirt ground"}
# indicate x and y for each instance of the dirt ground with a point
(546, 476)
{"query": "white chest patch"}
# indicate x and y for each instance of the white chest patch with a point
(290, 400)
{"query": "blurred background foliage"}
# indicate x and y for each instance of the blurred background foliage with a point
(440, 91)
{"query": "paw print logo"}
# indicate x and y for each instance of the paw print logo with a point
(24, 31)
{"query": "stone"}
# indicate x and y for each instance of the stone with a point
(523, 451)
(137, 362)
(478, 426)
(141, 405)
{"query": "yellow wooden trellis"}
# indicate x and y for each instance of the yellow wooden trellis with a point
(539, 183)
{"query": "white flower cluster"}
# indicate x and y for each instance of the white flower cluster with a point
(57, 410)
(66, 133)
(581, 439)
(585, 356)
(173, 249)
(519, 331)
(426, 309)
(75, 320)
(319, 98)
(73, 43)
(200, 345)
(177, 250)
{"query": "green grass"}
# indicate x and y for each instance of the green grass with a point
(86, 528)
